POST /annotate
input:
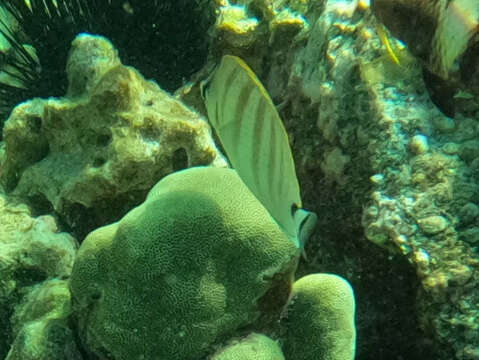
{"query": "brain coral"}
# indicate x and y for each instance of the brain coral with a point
(183, 271)
(320, 319)
(253, 347)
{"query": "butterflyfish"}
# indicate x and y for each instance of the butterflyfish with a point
(256, 143)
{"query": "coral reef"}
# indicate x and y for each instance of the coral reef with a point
(92, 155)
(383, 120)
(253, 347)
(393, 181)
(199, 262)
(31, 253)
(419, 208)
(376, 156)
(320, 319)
(188, 268)
(189, 237)
(41, 327)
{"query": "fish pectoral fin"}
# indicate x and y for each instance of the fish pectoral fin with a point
(305, 223)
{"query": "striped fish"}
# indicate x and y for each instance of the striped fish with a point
(458, 23)
(256, 143)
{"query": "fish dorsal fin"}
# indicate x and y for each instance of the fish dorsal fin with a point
(254, 138)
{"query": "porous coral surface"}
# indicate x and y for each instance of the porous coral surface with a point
(198, 262)
(32, 252)
(93, 154)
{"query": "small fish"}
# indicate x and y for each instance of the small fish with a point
(256, 143)
(444, 36)
(383, 36)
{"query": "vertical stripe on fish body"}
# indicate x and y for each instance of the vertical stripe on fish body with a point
(256, 142)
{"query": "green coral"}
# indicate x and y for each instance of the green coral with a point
(253, 347)
(198, 260)
(41, 325)
(320, 319)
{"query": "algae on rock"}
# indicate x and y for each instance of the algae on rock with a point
(32, 252)
(41, 324)
(94, 154)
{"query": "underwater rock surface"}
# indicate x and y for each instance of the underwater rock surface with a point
(380, 116)
(41, 324)
(103, 146)
(166, 40)
(32, 253)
